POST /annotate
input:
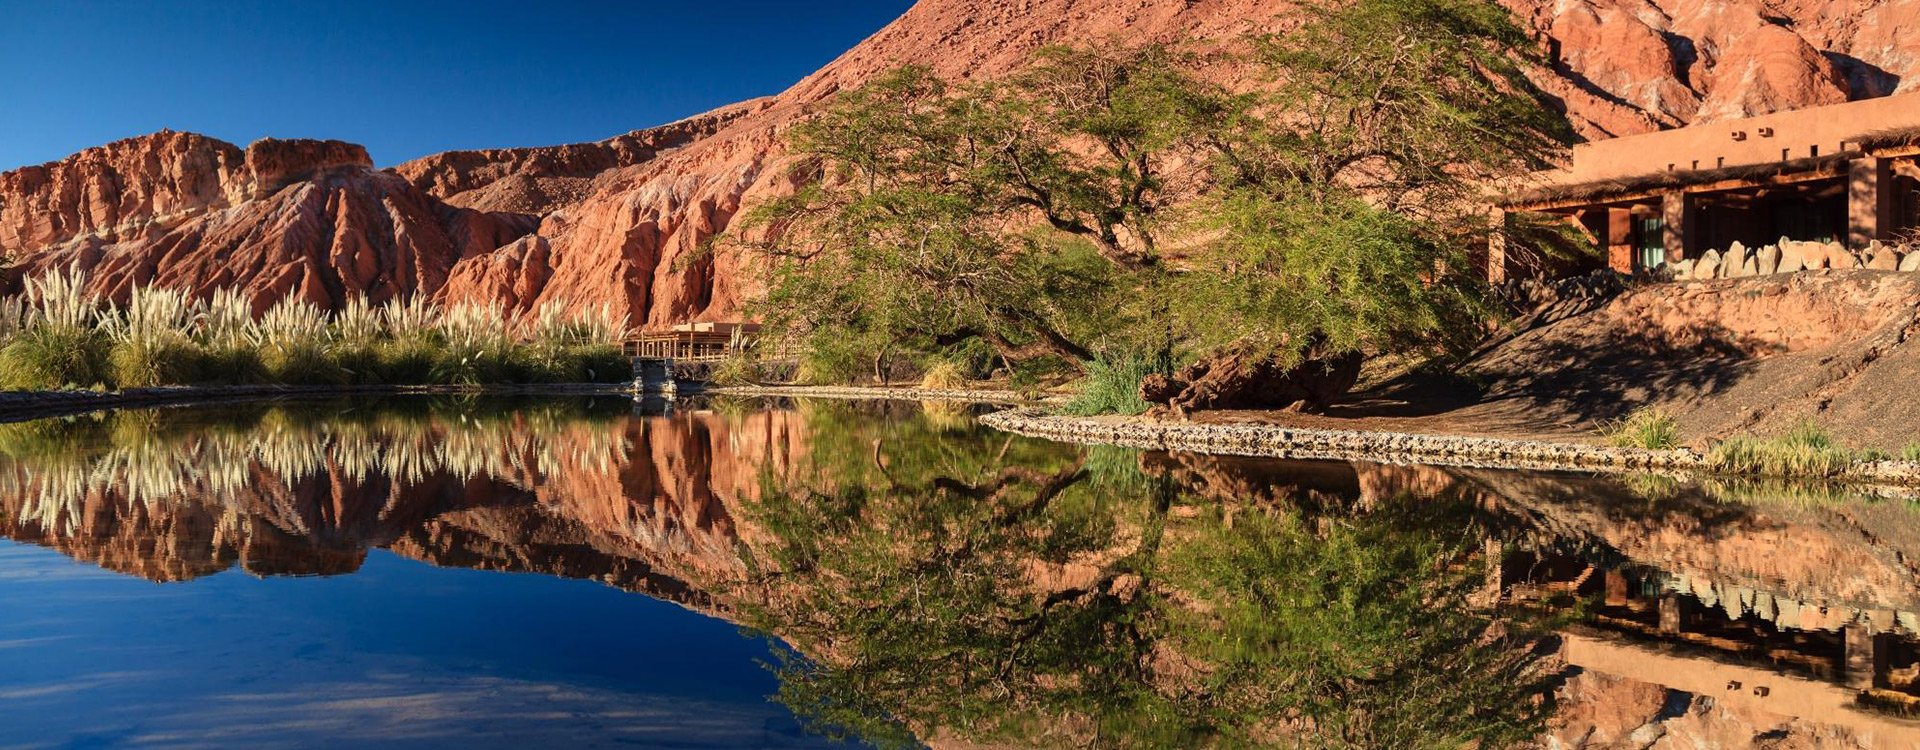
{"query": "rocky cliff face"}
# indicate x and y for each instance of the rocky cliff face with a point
(307, 219)
(627, 219)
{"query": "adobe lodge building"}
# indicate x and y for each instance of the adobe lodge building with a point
(1842, 173)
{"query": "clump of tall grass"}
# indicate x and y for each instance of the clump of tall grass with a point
(944, 375)
(56, 335)
(737, 369)
(1652, 428)
(1805, 450)
(58, 342)
(151, 341)
(1112, 386)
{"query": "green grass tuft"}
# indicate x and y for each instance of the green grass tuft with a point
(1651, 428)
(1806, 450)
(54, 356)
(1112, 386)
(944, 375)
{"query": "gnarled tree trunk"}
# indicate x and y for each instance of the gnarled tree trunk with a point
(1235, 380)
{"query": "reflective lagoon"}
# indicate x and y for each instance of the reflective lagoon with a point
(585, 572)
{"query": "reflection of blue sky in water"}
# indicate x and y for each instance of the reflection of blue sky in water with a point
(397, 654)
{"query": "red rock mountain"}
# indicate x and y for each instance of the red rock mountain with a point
(626, 219)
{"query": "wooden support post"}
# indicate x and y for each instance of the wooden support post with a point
(1497, 247)
(1496, 571)
(1677, 217)
(1670, 621)
(1870, 201)
(1617, 249)
(1859, 655)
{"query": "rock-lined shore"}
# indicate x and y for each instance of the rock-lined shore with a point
(1280, 441)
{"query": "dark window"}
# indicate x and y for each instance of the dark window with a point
(1818, 220)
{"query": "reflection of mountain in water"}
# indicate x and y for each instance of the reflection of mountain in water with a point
(570, 488)
(932, 568)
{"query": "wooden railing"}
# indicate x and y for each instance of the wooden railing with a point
(687, 346)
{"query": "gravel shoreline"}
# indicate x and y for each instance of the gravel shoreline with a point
(1278, 441)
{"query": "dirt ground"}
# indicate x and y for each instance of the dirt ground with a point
(1725, 357)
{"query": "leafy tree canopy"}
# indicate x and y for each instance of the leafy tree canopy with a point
(1109, 199)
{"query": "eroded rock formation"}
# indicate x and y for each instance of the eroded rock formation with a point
(629, 219)
(308, 219)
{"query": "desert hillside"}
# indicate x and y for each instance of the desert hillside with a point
(626, 219)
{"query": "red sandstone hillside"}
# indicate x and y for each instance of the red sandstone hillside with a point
(625, 219)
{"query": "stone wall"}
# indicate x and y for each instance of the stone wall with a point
(1792, 256)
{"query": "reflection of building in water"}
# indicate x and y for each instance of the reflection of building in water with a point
(1729, 641)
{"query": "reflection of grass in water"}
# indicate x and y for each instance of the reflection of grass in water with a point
(948, 416)
(1653, 486)
(145, 457)
(1784, 492)
(1116, 468)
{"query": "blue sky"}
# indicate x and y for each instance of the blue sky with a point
(405, 79)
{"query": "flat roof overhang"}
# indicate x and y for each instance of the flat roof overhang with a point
(1654, 186)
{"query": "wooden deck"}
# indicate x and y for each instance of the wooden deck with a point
(688, 346)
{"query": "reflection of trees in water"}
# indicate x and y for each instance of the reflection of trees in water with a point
(1003, 590)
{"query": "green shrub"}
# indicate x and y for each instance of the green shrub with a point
(603, 363)
(359, 362)
(1112, 386)
(735, 370)
(410, 360)
(231, 365)
(1806, 450)
(1651, 428)
(300, 363)
(54, 356)
(170, 360)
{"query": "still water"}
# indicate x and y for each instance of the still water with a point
(580, 572)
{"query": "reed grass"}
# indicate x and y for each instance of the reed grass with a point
(57, 335)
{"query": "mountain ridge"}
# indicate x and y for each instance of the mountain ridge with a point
(630, 219)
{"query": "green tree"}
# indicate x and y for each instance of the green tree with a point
(1349, 191)
(1024, 214)
(1108, 200)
